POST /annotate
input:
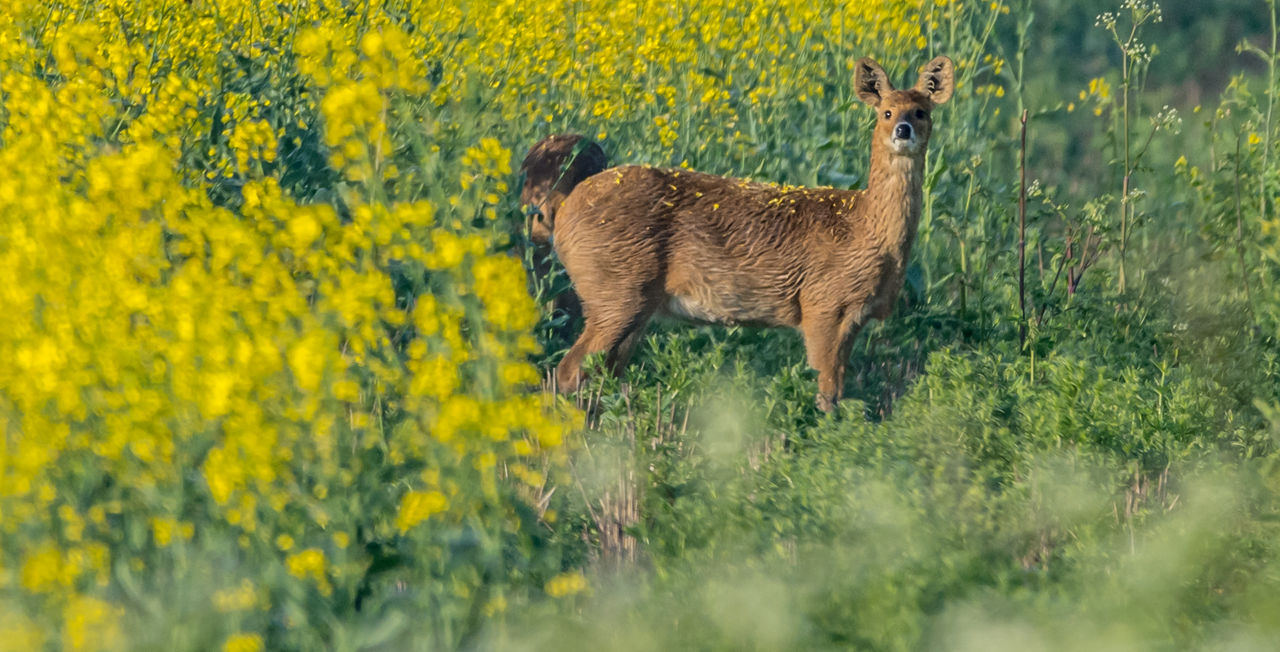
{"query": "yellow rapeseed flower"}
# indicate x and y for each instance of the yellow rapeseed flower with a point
(418, 506)
(242, 249)
(91, 624)
(241, 598)
(566, 584)
(310, 564)
(243, 643)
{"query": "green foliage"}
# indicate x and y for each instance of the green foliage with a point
(1114, 483)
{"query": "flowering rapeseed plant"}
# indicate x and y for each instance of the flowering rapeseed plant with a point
(256, 308)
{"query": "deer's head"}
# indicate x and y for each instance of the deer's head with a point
(904, 118)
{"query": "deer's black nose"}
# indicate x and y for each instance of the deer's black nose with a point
(902, 131)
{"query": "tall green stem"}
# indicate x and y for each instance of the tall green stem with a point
(1124, 186)
(1266, 132)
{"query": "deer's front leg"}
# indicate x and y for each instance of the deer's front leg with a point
(827, 341)
(822, 344)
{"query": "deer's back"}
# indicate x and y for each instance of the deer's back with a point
(705, 247)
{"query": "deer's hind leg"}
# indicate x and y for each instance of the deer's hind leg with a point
(614, 331)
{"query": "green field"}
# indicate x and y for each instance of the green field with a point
(271, 372)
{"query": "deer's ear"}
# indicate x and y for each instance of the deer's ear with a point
(870, 81)
(938, 79)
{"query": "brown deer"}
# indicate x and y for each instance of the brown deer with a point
(638, 241)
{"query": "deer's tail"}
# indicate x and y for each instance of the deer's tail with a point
(551, 169)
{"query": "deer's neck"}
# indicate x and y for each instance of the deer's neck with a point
(895, 194)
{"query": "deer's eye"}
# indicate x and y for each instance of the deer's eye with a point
(888, 114)
(921, 115)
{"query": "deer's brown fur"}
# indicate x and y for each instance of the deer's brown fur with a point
(638, 241)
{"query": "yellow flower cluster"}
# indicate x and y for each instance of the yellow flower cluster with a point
(240, 598)
(310, 564)
(243, 643)
(417, 506)
(201, 345)
(252, 140)
(1099, 92)
(699, 72)
(566, 584)
(255, 292)
(91, 624)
